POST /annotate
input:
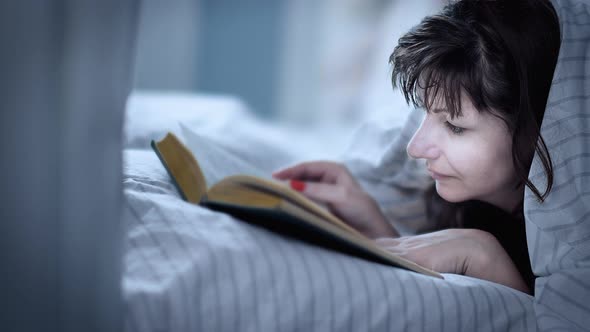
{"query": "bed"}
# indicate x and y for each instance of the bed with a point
(190, 269)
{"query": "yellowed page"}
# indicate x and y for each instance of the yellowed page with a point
(293, 196)
(182, 167)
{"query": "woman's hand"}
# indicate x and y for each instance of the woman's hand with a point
(332, 184)
(468, 252)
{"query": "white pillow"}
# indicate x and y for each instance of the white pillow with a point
(150, 114)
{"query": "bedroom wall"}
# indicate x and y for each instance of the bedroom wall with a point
(296, 62)
(167, 45)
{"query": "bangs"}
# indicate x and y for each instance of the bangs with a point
(439, 61)
(442, 87)
(441, 81)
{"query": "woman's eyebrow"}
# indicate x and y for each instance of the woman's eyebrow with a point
(439, 110)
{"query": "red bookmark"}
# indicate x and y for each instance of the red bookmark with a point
(297, 185)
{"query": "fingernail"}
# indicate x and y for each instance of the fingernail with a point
(297, 185)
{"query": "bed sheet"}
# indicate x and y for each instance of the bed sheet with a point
(558, 229)
(190, 269)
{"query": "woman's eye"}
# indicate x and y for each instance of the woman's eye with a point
(454, 129)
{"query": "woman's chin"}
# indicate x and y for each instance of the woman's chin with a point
(450, 194)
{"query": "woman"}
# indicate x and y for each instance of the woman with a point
(482, 71)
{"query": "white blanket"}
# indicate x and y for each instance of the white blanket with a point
(190, 269)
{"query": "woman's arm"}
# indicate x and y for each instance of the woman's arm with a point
(468, 252)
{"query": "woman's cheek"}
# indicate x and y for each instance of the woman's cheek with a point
(466, 157)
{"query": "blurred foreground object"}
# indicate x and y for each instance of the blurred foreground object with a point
(65, 78)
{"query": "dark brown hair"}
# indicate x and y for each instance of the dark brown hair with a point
(502, 54)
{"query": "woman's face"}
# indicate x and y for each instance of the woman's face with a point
(469, 157)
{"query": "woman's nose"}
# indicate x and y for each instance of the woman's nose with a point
(423, 144)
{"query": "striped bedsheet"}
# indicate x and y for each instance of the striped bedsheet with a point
(190, 269)
(558, 230)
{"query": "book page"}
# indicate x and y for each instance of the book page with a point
(217, 161)
(182, 168)
(280, 190)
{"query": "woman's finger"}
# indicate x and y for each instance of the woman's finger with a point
(322, 192)
(288, 172)
(313, 170)
(323, 171)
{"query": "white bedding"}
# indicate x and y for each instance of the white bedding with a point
(190, 269)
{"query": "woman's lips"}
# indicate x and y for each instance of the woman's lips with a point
(438, 176)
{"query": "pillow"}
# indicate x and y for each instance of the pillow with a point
(150, 114)
(558, 230)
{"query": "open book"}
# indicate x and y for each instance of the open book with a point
(270, 204)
